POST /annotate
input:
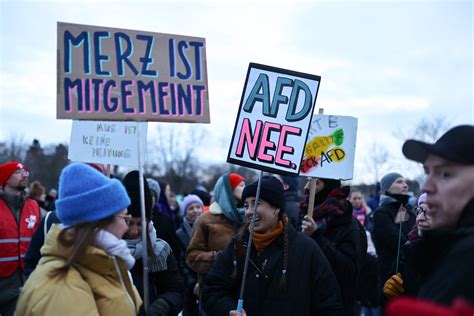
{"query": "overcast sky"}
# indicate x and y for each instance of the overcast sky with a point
(388, 63)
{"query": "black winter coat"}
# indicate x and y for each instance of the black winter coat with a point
(291, 207)
(344, 242)
(385, 236)
(166, 284)
(189, 276)
(445, 259)
(165, 230)
(311, 286)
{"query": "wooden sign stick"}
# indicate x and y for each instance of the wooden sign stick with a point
(312, 186)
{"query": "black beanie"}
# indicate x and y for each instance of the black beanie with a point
(130, 182)
(329, 185)
(271, 191)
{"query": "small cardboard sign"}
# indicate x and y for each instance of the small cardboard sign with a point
(273, 119)
(107, 142)
(125, 75)
(330, 147)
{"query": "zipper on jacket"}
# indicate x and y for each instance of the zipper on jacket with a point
(117, 268)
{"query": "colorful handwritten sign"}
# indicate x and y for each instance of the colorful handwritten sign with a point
(125, 75)
(273, 120)
(330, 147)
(107, 142)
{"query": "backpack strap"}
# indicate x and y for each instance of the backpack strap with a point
(46, 229)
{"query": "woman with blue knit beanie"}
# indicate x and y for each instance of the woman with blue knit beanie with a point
(84, 265)
(214, 229)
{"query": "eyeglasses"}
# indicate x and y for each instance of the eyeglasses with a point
(22, 172)
(127, 218)
(419, 210)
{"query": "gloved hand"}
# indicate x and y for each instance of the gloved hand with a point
(160, 307)
(394, 286)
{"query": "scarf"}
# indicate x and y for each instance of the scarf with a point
(225, 199)
(161, 250)
(333, 206)
(187, 227)
(114, 247)
(393, 198)
(261, 241)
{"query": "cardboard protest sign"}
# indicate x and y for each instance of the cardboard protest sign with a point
(125, 75)
(107, 142)
(273, 119)
(330, 147)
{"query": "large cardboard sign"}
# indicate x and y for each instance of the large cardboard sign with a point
(330, 148)
(107, 142)
(125, 75)
(273, 119)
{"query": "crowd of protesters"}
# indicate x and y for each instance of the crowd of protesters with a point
(79, 250)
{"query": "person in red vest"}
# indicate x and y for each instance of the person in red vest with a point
(19, 218)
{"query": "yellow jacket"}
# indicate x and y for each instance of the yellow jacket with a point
(98, 284)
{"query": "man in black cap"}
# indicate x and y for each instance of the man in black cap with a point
(446, 254)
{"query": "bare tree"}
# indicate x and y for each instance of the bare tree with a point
(172, 156)
(13, 150)
(427, 130)
(377, 160)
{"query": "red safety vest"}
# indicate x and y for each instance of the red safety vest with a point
(14, 240)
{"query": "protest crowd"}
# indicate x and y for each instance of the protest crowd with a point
(80, 252)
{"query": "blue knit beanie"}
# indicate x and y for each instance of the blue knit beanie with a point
(86, 195)
(387, 181)
(154, 187)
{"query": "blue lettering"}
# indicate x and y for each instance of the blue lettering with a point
(161, 96)
(98, 57)
(109, 85)
(123, 56)
(141, 96)
(82, 38)
(260, 84)
(147, 59)
(182, 45)
(68, 85)
(197, 55)
(291, 114)
(125, 94)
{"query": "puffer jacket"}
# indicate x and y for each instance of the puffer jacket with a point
(98, 284)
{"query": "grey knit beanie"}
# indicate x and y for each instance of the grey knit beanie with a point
(387, 181)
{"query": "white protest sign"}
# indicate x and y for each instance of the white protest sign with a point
(273, 119)
(109, 142)
(330, 148)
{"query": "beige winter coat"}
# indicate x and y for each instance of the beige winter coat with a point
(99, 284)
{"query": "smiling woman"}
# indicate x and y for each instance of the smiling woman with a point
(282, 262)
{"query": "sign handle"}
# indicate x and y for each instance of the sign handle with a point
(143, 223)
(240, 303)
(312, 195)
(312, 185)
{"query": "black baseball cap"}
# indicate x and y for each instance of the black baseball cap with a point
(456, 145)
